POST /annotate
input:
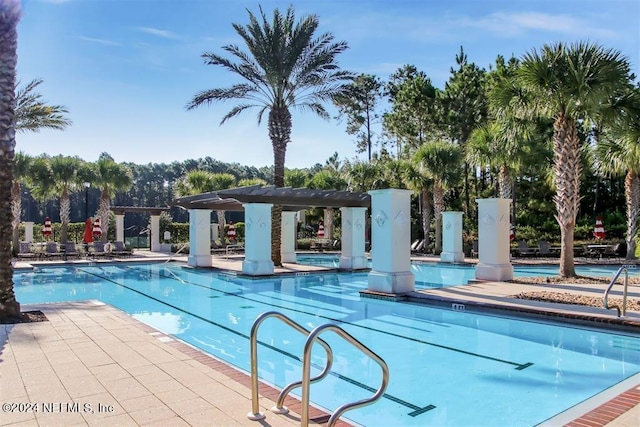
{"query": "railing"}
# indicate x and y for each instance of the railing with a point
(279, 408)
(176, 252)
(306, 381)
(306, 372)
(624, 268)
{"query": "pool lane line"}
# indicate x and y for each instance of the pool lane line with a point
(518, 366)
(286, 353)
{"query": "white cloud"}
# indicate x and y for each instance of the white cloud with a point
(100, 41)
(159, 33)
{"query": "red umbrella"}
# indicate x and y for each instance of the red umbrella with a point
(88, 232)
(320, 230)
(231, 231)
(46, 230)
(512, 233)
(97, 230)
(599, 232)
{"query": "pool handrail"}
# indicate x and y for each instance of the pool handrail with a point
(176, 252)
(624, 268)
(255, 414)
(306, 374)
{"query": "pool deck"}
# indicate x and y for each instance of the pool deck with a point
(93, 354)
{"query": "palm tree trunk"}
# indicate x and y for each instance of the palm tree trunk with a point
(438, 207)
(426, 218)
(16, 211)
(632, 195)
(9, 17)
(103, 214)
(504, 183)
(280, 135)
(65, 215)
(567, 168)
(221, 224)
(329, 215)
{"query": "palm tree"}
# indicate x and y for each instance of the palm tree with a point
(33, 113)
(568, 83)
(10, 14)
(222, 181)
(618, 154)
(441, 161)
(65, 180)
(110, 177)
(328, 179)
(286, 67)
(422, 184)
(21, 165)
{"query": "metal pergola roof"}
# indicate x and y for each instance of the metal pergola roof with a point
(291, 199)
(120, 210)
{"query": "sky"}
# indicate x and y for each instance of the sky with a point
(125, 69)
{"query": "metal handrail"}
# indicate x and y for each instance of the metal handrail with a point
(176, 252)
(624, 292)
(306, 373)
(279, 408)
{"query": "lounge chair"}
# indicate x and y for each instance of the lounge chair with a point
(98, 250)
(524, 249)
(51, 251)
(544, 249)
(25, 251)
(70, 250)
(119, 249)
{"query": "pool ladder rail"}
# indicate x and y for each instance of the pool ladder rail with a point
(312, 337)
(624, 268)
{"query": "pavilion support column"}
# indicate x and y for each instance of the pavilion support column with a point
(119, 227)
(493, 240)
(199, 238)
(28, 231)
(288, 236)
(452, 237)
(155, 233)
(391, 242)
(353, 224)
(257, 227)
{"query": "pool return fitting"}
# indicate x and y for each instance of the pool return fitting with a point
(624, 268)
(312, 337)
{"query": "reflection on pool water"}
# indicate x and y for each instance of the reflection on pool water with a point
(446, 367)
(438, 275)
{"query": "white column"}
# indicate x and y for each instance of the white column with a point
(257, 249)
(199, 238)
(28, 231)
(119, 227)
(353, 224)
(452, 237)
(288, 237)
(155, 233)
(215, 231)
(493, 240)
(391, 241)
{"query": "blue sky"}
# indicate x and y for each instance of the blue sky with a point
(125, 69)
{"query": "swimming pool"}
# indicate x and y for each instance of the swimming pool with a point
(438, 275)
(446, 367)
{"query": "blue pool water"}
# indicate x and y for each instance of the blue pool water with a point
(446, 367)
(438, 275)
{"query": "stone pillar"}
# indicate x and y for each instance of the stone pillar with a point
(353, 224)
(257, 250)
(155, 233)
(493, 240)
(215, 231)
(288, 237)
(391, 241)
(199, 238)
(28, 231)
(452, 237)
(120, 228)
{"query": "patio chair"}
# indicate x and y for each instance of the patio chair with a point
(70, 250)
(51, 251)
(119, 249)
(25, 251)
(524, 249)
(544, 249)
(98, 250)
(611, 251)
